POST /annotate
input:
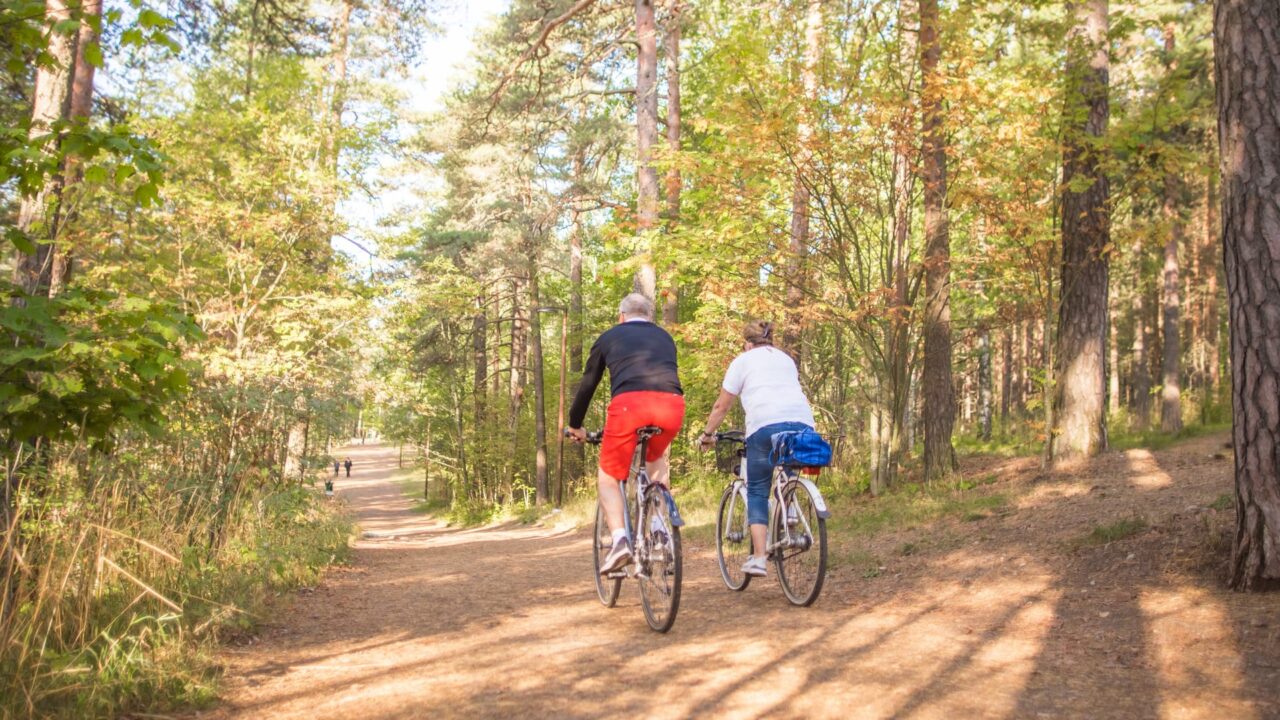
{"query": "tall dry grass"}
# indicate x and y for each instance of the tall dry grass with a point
(124, 573)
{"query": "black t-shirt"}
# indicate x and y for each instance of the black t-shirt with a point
(639, 356)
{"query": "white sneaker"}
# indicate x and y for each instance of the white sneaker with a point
(617, 557)
(755, 567)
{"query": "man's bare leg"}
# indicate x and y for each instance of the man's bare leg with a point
(660, 469)
(611, 500)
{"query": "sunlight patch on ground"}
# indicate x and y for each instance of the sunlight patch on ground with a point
(1046, 493)
(1177, 620)
(1144, 472)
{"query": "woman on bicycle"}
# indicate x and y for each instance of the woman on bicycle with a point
(766, 380)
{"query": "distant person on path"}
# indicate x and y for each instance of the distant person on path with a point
(766, 380)
(337, 467)
(347, 464)
(645, 390)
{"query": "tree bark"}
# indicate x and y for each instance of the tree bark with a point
(1171, 389)
(1006, 376)
(577, 451)
(39, 214)
(793, 334)
(1080, 426)
(646, 137)
(984, 384)
(939, 393)
(541, 485)
(1246, 44)
(1212, 323)
(674, 182)
(80, 110)
(1141, 379)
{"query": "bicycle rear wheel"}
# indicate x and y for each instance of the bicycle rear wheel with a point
(602, 540)
(733, 538)
(800, 538)
(662, 566)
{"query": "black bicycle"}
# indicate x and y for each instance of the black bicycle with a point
(656, 558)
(796, 539)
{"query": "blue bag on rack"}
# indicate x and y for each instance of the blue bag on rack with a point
(800, 448)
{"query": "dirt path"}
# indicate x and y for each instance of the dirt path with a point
(1000, 620)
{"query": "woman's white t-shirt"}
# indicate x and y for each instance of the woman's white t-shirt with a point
(766, 380)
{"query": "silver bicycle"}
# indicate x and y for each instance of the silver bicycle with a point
(653, 525)
(797, 530)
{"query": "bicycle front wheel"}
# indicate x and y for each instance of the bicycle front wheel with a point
(606, 588)
(800, 545)
(661, 566)
(733, 538)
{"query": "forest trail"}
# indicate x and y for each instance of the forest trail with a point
(430, 621)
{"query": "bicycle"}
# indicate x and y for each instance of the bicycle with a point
(656, 556)
(797, 528)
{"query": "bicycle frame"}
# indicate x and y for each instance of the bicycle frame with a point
(781, 479)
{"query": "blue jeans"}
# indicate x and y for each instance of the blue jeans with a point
(760, 470)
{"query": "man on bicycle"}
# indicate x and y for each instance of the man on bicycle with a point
(645, 390)
(766, 380)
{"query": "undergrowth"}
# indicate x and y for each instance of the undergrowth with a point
(127, 586)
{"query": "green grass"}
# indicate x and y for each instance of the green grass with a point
(1155, 439)
(1119, 530)
(909, 507)
(1225, 501)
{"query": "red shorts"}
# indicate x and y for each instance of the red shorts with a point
(629, 412)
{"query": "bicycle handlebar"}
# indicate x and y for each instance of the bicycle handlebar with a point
(593, 438)
(737, 436)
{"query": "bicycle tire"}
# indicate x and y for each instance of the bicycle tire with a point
(607, 589)
(662, 578)
(731, 569)
(801, 589)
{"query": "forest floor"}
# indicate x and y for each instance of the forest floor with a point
(1091, 594)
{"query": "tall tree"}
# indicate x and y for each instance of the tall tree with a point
(79, 110)
(1246, 41)
(1080, 421)
(674, 182)
(646, 137)
(39, 214)
(1171, 358)
(939, 394)
(792, 336)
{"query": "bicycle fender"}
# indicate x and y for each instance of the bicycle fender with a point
(823, 512)
(672, 510)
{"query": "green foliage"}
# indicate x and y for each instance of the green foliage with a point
(1224, 501)
(81, 363)
(1119, 530)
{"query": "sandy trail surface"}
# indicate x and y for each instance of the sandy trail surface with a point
(999, 621)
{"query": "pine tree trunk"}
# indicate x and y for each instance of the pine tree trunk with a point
(1006, 376)
(1113, 358)
(1171, 388)
(674, 183)
(541, 485)
(1171, 357)
(1212, 322)
(1080, 428)
(984, 384)
(792, 334)
(939, 395)
(1247, 55)
(577, 451)
(646, 137)
(1141, 366)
